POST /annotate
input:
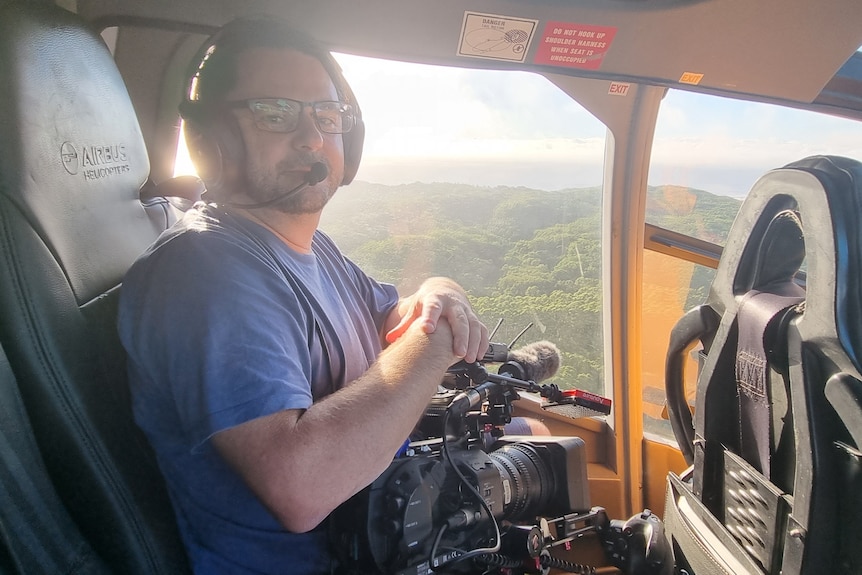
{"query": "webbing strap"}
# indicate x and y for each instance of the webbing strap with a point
(756, 310)
(36, 533)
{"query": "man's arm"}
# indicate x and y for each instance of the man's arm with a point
(436, 298)
(303, 464)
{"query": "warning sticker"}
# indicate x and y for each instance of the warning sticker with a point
(574, 45)
(496, 37)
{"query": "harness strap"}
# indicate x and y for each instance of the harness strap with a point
(756, 312)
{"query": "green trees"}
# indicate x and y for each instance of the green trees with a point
(527, 256)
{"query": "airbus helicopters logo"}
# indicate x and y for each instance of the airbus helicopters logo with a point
(70, 157)
(96, 162)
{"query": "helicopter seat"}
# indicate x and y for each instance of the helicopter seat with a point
(774, 442)
(72, 220)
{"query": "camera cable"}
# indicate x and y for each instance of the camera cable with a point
(482, 502)
(551, 562)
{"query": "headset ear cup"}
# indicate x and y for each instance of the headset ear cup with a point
(217, 149)
(205, 153)
(352, 142)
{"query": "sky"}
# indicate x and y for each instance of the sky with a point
(494, 128)
(429, 123)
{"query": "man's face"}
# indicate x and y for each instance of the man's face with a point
(278, 162)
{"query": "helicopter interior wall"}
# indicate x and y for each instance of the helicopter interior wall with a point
(762, 49)
(155, 85)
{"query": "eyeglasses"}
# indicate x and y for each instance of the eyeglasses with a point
(282, 114)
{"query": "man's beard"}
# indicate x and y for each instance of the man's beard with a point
(264, 185)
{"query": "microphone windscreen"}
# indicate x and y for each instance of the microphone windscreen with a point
(540, 360)
(317, 173)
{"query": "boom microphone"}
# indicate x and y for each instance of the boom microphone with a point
(316, 174)
(534, 362)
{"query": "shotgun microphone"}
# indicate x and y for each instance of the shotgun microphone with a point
(534, 362)
(316, 174)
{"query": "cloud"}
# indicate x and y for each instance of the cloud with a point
(432, 123)
(442, 105)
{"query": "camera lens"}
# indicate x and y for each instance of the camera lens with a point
(528, 484)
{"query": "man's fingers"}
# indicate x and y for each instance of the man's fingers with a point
(398, 330)
(432, 309)
(478, 341)
(402, 326)
(460, 330)
(469, 335)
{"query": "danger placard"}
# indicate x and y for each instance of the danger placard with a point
(496, 37)
(574, 45)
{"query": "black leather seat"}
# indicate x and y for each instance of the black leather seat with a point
(37, 535)
(776, 439)
(72, 163)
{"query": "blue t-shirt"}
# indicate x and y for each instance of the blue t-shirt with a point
(223, 323)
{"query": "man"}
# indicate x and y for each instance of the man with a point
(273, 378)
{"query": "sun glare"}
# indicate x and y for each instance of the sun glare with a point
(183, 163)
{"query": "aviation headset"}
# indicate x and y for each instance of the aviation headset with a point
(222, 139)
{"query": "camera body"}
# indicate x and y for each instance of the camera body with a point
(420, 513)
(463, 498)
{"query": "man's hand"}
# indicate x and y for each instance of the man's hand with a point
(441, 297)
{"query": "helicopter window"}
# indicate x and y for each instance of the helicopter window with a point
(492, 178)
(707, 153)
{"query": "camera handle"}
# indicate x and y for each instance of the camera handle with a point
(482, 378)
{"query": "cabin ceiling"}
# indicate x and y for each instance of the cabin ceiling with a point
(763, 49)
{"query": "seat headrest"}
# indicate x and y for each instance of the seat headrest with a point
(781, 250)
(72, 156)
(821, 195)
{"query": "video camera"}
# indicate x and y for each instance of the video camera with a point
(462, 497)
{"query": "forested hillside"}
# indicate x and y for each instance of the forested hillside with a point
(527, 256)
